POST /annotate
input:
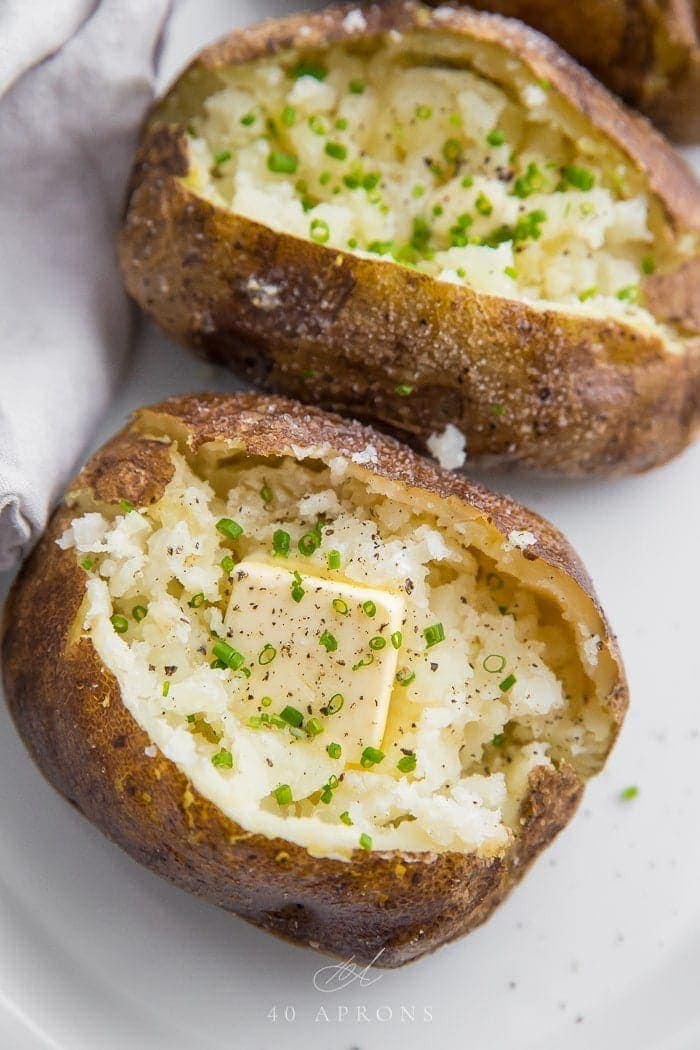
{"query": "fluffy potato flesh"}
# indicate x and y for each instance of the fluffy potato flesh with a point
(445, 156)
(334, 663)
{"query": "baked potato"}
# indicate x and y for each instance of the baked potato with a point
(647, 51)
(306, 674)
(433, 221)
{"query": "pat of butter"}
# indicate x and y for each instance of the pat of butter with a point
(305, 672)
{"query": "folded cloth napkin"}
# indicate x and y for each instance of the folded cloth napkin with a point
(75, 79)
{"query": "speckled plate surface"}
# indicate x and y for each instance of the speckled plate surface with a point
(599, 947)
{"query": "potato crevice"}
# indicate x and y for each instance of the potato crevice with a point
(486, 677)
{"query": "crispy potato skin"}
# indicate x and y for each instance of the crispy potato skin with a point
(68, 710)
(548, 392)
(646, 51)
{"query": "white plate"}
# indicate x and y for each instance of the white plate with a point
(599, 947)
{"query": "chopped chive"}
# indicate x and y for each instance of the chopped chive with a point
(333, 559)
(648, 265)
(280, 542)
(345, 818)
(139, 612)
(229, 528)
(326, 794)
(227, 563)
(403, 389)
(318, 127)
(336, 150)
(405, 676)
(588, 293)
(397, 639)
(628, 793)
(247, 119)
(581, 178)
(494, 663)
(314, 727)
(308, 543)
(340, 124)
(218, 665)
(288, 116)
(292, 716)
(266, 494)
(365, 841)
(483, 205)
(119, 623)
(223, 759)
(283, 794)
(629, 294)
(334, 704)
(87, 564)
(369, 608)
(434, 634)
(319, 231)
(424, 112)
(366, 660)
(452, 150)
(511, 272)
(340, 606)
(226, 653)
(266, 701)
(221, 158)
(407, 764)
(309, 68)
(126, 506)
(197, 600)
(356, 87)
(328, 641)
(499, 740)
(496, 137)
(282, 163)
(165, 690)
(334, 750)
(377, 642)
(507, 683)
(418, 190)
(298, 591)
(467, 182)
(371, 756)
(267, 654)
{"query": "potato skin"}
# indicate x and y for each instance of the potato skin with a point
(68, 710)
(646, 51)
(549, 392)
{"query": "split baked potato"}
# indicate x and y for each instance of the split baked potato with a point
(647, 51)
(431, 220)
(308, 675)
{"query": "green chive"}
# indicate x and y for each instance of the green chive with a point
(87, 564)
(371, 756)
(407, 764)
(166, 689)
(292, 716)
(434, 634)
(377, 642)
(628, 793)
(369, 608)
(333, 559)
(221, 158)
(119, 623)
(298, 591)
(483, 205)
(266, 701)
(229, 528)
(424, 112)
(266, 494)
(467, 182)
(227, 563)
(452, 150)
(499, 740)
(507, 683)
(282, 163)
(397, 639)
(340, 606)
(126, 506)
(283, 794)
(280, 542)
(319, 128)
(648, 265)
(223, 759)
(336, 150)
(403, 390)
(334, 750)
(308, 543)
(365, 841)
(581, 178)
(356, 87)
(248, 119)
(319, 231)
(629, 294)
(288, 116)
(139, 613)
(328, 641)
(334, 704)
(326, 794)
(196, 601)
(308, 68)
(364, 662)
(228, 655)
(494, 663)
(405, 677)
(267, 654)
(496, 137)
(345, 818)
(314, 727)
